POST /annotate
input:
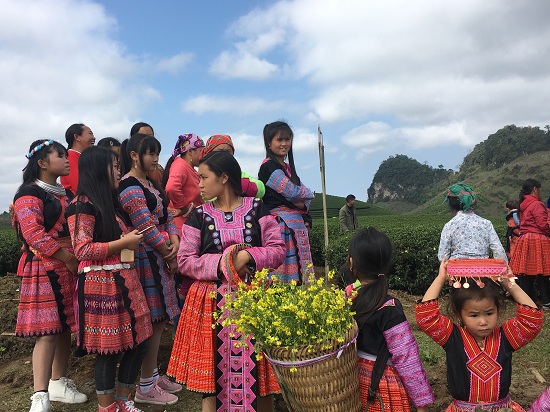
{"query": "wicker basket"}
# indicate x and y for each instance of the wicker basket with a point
(325, 381)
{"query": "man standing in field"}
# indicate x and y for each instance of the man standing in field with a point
(348, 215)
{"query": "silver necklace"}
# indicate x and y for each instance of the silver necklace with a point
(56, 189)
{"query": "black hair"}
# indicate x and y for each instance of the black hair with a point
(371, 256)
(224, 162)
(32, 170)
(270, 131)
(512, 204)
(454, 203)
(135, 128)
(74, 129)
(459, 296)
(95, 182)
(108, 142)
(527, 187)
(349, 198)
(139, 143)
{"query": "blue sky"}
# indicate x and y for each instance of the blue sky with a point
(428, 79)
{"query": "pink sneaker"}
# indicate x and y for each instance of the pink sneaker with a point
(111, 408)
(171, 387)
(127, 406)
(155, 396)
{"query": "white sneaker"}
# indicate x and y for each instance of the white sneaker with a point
(64, 390)
(40, 402)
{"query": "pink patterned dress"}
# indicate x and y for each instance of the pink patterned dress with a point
(208, 360)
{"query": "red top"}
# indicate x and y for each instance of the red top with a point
(71, 180)
(533, 217)
(182, 188)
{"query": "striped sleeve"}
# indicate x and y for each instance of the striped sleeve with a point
(29, 212)
(432, 322)
(279, 182)
(190, 262)
(82, 237)
(406, 360)
(134, 203)
(524, 327)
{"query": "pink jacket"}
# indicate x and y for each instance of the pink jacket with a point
(182, 188)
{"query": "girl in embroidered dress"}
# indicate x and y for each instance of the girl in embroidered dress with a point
(478, 351)
(48, 271)
(113, 316)
(385, 339)
(145, 202)
(531, 257)
(223, 242)
(288, 199)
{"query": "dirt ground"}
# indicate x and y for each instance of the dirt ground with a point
(16, 368)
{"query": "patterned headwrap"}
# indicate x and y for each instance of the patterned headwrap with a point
(215, 141)
(186, 142)
(465, 195)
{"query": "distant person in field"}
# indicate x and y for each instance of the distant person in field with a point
(531, 257)
(467, 235)
(288, 199)
(79, 137)
(513, 231)
(348, 215)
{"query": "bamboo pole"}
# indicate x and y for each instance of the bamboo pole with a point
(324, 193)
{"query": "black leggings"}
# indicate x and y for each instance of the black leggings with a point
(527, 283)
(130, 364)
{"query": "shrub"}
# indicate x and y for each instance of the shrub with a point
(415, 239)
(9, 250)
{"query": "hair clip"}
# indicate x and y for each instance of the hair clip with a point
(40, 146)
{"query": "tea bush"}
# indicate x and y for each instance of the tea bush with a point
(415, 239)
(9, 250)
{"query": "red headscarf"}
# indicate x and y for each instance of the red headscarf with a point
(215, 141)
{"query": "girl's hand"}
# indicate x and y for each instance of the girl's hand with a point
(443, 269)
(72, 265)
(172, 252)
(132, 240)
(241, 261)
(422, 409)
(171, 266)
(176, 212)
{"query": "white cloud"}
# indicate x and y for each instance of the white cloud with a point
(60, 66)
(174, 64)
(443, 73)
(241, 106)
(242, 64)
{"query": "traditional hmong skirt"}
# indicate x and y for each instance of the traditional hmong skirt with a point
(298, 261)
(113, 313)
(531, 255)
(46, 297)
(461, 406)
(211, 361)
(159, 286)
(390, 389)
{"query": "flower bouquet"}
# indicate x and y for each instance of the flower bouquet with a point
(307, 333)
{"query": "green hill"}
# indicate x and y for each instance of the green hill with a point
(495, 169)
(334, 203)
